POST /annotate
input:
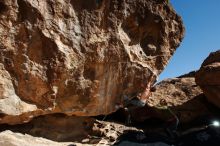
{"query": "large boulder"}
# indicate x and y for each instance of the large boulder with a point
(81, 57)
(208, 78)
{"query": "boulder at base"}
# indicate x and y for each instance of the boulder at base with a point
(208, 78)
(180, 96)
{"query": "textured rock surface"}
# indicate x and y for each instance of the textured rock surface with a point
(181, 95)
(174, 92)
(79, 57)
(208, 78)
(9, 138)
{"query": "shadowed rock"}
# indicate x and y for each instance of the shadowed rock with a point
(208, 78)
(176, 97)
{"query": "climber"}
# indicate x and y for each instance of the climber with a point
(146, 93)
(137, 101)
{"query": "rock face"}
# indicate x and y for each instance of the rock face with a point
(174, 92)
(208, 78)
(80, 57)
(181, 95)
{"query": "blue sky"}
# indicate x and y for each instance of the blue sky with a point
(202, 23)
